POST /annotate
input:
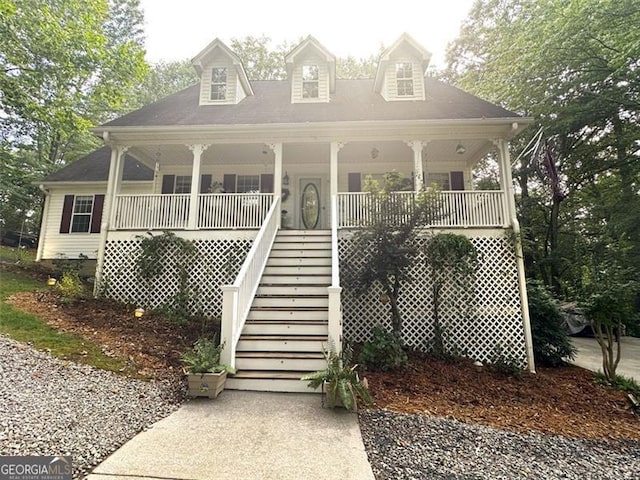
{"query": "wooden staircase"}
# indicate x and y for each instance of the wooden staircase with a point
(287, 326)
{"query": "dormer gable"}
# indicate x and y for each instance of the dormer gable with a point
(401, 70)
(311, 70)
(223, 80)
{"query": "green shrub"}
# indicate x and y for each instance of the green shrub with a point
(70, 286)
(502, 363)
(551, 344)
(383, 352)
(620, 382)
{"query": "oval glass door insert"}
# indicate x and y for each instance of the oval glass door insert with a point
(310, 206)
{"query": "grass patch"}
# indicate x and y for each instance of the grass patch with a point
(17, 255)
(25, 327)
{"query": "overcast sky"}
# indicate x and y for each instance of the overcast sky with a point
(177, 30)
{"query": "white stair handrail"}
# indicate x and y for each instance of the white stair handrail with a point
(335, 290)
(237, 298)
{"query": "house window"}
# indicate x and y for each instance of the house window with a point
(310, 81)
(248, 183)
(82, 208)
(219, 83)
(441, 180)
(404, 79)
(183, 184)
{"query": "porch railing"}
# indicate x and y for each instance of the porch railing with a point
(233, 210)
(171, 212)
(151, 212)
(446, 209)
(237, 298)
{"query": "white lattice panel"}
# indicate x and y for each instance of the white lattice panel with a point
(217, 263)
(487, 317)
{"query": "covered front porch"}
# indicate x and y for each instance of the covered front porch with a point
(232, 186)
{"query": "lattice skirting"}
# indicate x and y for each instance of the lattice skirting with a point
(217, 263)
(477, 324)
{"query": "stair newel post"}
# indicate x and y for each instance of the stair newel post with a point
(335, 318)
(229, 324)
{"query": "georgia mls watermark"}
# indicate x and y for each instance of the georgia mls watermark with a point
(35, 468)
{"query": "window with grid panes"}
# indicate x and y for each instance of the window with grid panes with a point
(310, 81)
(219, 83)
(183, 184)
(404, 79)
(248, 183)
(441, 179)
(82, 208)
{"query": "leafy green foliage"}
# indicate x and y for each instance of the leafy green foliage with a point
(383, 352)
(344, 385)
(451, 258)
(502, 363)
(65, 65)
(551, 344)
(70, 287)
(573, 67)
(619, 382)
(204, 357)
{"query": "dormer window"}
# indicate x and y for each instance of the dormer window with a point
(404, 79)
(219, 83)
(310, 81)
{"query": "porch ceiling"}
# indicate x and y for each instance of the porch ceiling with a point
(435, 151)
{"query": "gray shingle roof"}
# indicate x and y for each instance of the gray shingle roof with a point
(353, 100)
(95, 168)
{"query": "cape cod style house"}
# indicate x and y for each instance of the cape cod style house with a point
(266, 179)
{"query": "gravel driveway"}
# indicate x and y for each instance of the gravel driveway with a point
(402, 447)
(52, 407)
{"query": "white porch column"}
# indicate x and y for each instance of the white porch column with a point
(333, 177)
(277, 174)
(116, 167)
(197, 150)
(417, 146)
(505, 167)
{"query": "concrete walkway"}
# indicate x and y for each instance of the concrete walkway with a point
(245, 435)
(590, 356)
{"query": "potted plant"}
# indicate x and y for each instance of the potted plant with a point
(340, 381)
(205, 374)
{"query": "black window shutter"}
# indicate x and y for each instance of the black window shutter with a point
(457, 181)
(168, 181)
(355, 182)
(96, 214)
(67, 213)
(229, 182)
(205, 183)
(266, 183)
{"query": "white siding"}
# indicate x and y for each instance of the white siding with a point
(323, 84)
(70, 245)
(233, 85)
(389, 88)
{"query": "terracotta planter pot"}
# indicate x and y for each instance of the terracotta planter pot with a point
(206, 384)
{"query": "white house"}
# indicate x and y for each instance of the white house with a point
(266, 179)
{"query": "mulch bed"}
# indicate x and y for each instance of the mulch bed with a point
(565, 401)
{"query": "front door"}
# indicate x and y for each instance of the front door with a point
(311, 207)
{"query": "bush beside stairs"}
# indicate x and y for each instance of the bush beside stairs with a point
(287, 326)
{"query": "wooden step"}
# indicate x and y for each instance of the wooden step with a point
(291, 302)
(265, 327)
(288, 314)
(281, 343)
(301, 245)
(312, 233)
(299, 253)
(276, 361)
(291, 290)
(295, 268)
(295, 278)
(275, 381)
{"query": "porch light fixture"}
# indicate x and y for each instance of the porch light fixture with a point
(138, 312)
(51, 282)
(460, 149)
(285, 179)
(374, 153)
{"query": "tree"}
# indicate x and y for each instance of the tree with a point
(162, 79)
(388, 244)
(65, 65)
(259, 62)
(574, 67)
